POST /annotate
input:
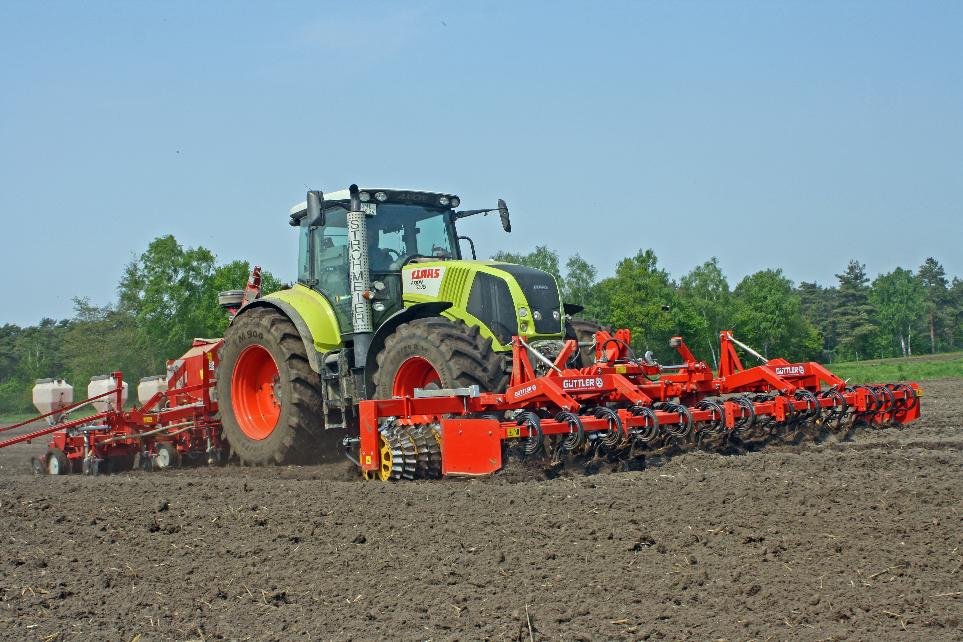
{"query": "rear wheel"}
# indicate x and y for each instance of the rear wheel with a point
(584, 331)
(269, 398)
(437, 353)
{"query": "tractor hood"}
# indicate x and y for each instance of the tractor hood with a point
(508, 299)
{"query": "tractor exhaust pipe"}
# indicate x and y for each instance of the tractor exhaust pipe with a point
(359, 278)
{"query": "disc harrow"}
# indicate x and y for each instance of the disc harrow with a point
(620, 410)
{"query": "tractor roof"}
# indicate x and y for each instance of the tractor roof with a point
(441, 200)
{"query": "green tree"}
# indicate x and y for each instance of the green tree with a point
(171, 292)
(580, 281)
(854, 312)
(230, 276)
(817, 305)
(900, 303)
(167, 291)
(932, 277)
(705, 307)
(100, 340)
(634, 299)
(541, 258)
(955, 313)
(8, 354)
(768, 316)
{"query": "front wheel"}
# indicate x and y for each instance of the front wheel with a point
(270, 399)
(583, 330)
(436, 352)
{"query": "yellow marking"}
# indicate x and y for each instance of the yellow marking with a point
(620, 369)
(919, 392)
(513, 432)
(148, 420)
(367, 460)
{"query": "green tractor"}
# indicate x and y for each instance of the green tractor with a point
(384, 305)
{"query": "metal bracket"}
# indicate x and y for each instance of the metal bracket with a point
(424, 393)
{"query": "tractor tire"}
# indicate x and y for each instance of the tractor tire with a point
(436, 352)
(584, 331)
(269, 397)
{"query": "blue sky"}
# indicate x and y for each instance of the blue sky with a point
(769, 134)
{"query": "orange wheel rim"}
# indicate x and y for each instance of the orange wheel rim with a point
(254, 392)
(415, 372)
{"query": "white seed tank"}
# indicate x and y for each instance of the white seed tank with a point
(50, 395)
(150, 386)
(99, 384)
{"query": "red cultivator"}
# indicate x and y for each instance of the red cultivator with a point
(620, 410)
(174, 423)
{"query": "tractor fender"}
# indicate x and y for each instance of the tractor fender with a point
(412, 312)
(312, 316)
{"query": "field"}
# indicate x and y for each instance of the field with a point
(929, 366)
(858, 540)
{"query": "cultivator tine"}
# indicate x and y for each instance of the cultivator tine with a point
(535, 442)
(576, 436)
(650, 428)
(711, 432)
(744, 425)
(616, 431)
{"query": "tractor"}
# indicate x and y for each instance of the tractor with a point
(421, 364)
(385, 305)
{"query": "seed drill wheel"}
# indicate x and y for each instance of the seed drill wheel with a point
(437, 353)
(166, 456)
(56, 462)
(270, 399)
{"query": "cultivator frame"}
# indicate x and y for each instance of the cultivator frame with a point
(174, 423)
(621, 409)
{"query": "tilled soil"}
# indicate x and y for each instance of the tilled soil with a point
(851, 541)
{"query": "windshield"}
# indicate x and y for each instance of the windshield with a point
(399, 232)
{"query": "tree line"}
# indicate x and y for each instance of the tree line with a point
(165, 298)
(895, 314)
(168, 295)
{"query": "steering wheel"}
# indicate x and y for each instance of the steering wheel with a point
(411, 257)
(397, 254)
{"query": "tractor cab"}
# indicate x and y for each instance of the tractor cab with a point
(403, 228)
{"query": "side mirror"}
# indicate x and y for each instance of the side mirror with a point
(503, 212)
(314, 214)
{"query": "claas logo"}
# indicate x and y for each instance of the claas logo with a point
(426, 273)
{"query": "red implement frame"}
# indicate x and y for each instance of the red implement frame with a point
(473, 446)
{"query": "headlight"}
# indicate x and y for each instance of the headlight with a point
(537, 315)
(379, 307)
(381, 197)
(524, 326)
(455, 201)
(523, 312)
(364, 196)
(443, 200)
(556, 315)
